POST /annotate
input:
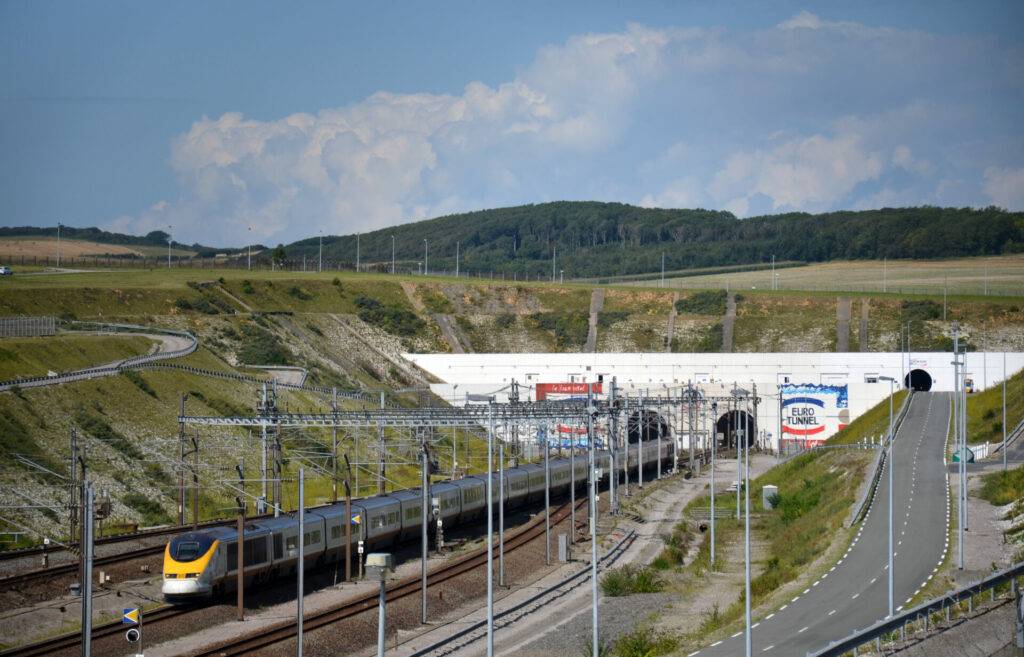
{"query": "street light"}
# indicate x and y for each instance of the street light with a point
(426, 250)
(561, 276)
(892, 382)
(456, 260)
(58, 244)
(320, 254)
(169, 246)
(489, 399)
(248, 250)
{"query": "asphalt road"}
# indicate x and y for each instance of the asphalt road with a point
(854, 593)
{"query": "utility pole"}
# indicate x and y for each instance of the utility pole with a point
(392, 254)
(195, 481)
(593, 520)
(300, 598)
(380, 454)
(58, 245)
(547, 497)
(181, 463)
(320, 254)
(733, 417)
(87, 556)
(714, 448)
(746, 524)
(554, 252)
(456, 260)
(264, 412)
(348, 521)
(501, 512)
(278, 467)
(74, 488)
(774, 284)
(958, 442)
(613, 438)
(490, 528)
(357, 252)
(662, 269)
(658, 476)
(572, 485)
(424, 506)
(334, 445)
(169, 246)
(1004, 411)
(426, 252)
(240, 545)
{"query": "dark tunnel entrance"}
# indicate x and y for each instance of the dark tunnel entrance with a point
(919, 380)
(736, 420)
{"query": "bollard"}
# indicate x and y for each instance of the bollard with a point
(947, 613)
(970, 604)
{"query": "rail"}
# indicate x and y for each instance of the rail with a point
(606, 559)
(922, 613)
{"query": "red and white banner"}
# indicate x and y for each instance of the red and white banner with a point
(545, 389)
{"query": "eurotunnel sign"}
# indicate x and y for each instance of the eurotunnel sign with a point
(811, 412)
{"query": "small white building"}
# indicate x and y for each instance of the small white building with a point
(807, 395)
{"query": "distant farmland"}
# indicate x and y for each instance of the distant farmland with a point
(999, 275)
(16, 247)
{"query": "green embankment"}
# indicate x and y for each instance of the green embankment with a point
(874, 423)
(28, 357)
(985, 410)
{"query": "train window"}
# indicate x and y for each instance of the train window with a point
(412, 512)
(293, 543)
(255, 550)
(393, 518)
(190, 546)
(316, 537)
(278, 546)
(336, 532)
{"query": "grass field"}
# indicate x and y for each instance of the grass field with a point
(15, 247)
(27, 357)
(985, 410)
(999, 275)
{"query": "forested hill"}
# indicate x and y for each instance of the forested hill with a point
(601, 239)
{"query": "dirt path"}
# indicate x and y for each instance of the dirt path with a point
(596, 304)
(410, 294)
(843, 313)
(864, 305)
(671, 323)
(728, 322)
(444, 322)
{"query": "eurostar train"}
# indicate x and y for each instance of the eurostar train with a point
(204, 563)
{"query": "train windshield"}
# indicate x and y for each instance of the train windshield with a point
(190, 546)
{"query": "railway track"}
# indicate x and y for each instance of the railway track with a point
(71, 568)
(400, 589)
(67, 641)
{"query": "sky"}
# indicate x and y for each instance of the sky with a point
(235, 122)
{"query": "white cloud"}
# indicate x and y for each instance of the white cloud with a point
(1005, 187)
(811, 173)
(668, 116)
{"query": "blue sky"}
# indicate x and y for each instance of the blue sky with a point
(215, 118)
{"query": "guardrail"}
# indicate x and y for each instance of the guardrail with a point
(922, 613)
(149, 362)
(869, 492)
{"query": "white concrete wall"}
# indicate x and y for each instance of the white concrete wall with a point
(661, 372)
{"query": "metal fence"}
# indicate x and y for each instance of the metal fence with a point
(27, 327)
(922, 617)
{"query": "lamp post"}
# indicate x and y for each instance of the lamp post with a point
(58, 244)
(561, 276)
(357, 253)
(714, 448)
(662, 269)
(169, 228)
(490, 517)
(890, 455)
(320, 254)
(248, 249)
(392, 254)
(456, 260)
(774, 284)
(426, 248)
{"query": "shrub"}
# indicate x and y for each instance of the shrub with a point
(100, 429)
(336, 281)
(299, 293)
(391, 318)
(570, 328)
(630, 579)
(505, 321)
(261, 347)
(705, 302)
(152, 512)
(711, 341)
(139, 382)
(247, 287)
(644, 643)
(607, 318)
